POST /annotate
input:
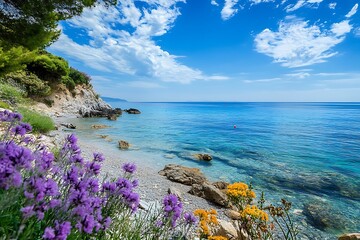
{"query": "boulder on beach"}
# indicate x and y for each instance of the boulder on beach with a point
(209, 192)
(132, 111)
(123, 144)
(184, 175)
(99, 126)
(204, 157)
(175, 191)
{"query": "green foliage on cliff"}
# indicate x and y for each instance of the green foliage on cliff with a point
(11, 93)
(31, 83)
(79, 77)
(49, 67)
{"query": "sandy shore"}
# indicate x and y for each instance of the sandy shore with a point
(152, 186)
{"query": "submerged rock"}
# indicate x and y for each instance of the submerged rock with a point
(123, 144)
(184, 175)
(322, 216)
(99, 126)
(204, 157)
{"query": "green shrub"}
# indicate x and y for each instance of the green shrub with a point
(49, 67)
(11, 93)
(39, 122)
(4, 105)
(33, 85)
(79, 77)
(69, 82)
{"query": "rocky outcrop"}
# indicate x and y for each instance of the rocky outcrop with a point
(132, 111)
(210, 193)
(184, 175)
(112, 117)
(124, 144)
(350, 236)
(204, 157)
(82, 101)
(232, 214)
(227, 230)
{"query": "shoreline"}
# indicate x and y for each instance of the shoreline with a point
(152, 186)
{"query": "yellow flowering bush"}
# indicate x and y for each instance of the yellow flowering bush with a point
(255, 213)
(240, 194)
(207, 220)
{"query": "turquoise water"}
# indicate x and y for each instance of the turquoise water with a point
(308, 153)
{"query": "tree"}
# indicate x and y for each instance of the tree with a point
(33, 23)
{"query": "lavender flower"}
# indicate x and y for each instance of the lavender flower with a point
(172, 208)
(129, 168)
(60, 232)
(98, 157)
(21, 129)
(190, 218)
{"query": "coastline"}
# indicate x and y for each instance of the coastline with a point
(152, 186)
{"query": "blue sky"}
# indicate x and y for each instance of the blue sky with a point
(218, 50)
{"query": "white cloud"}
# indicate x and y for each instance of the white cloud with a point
(213, 2)
(352, 11)
(132, 51)
(332, 5)
(302, 3)
(261, 1)
(341, 28)
(229, 9)
(357, 32)
(300, 75)
(297, 44)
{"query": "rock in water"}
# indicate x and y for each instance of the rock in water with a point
(124, 144)
(68, 125)
(112, 117)
(99, 126)
(184, 175)
(204, 157)
(132, 111)
(350, 236)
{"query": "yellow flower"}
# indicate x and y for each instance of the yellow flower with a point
(254, 212)
(207, 219)
(239, 189)
(217, 238)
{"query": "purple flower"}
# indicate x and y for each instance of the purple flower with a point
(44, 160)
(27, 211)
(129, 167)
(7, 116)
(49, 233)
(190, 218)
(98, 157)
(60, 232)
(93, 168)
(172, 208)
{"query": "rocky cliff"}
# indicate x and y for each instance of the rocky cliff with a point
(82, 101)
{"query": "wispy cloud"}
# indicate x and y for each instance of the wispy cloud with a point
(352, 11)
(213, 2)
(131, 48)
(332, 5)
(303, 3)
(298, 44)
(264, 80)
(143, 84)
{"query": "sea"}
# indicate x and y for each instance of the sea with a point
(306, 153)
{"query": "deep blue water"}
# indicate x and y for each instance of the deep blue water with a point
(308, 153)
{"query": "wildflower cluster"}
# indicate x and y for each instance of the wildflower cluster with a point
(240, 194)
(172, 208)
(207, 221)
(255, 213)
(52, 198)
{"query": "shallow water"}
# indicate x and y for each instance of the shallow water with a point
(308, 153)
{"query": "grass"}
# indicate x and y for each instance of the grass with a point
(11, 93)
(4, 105)
(40, 123)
